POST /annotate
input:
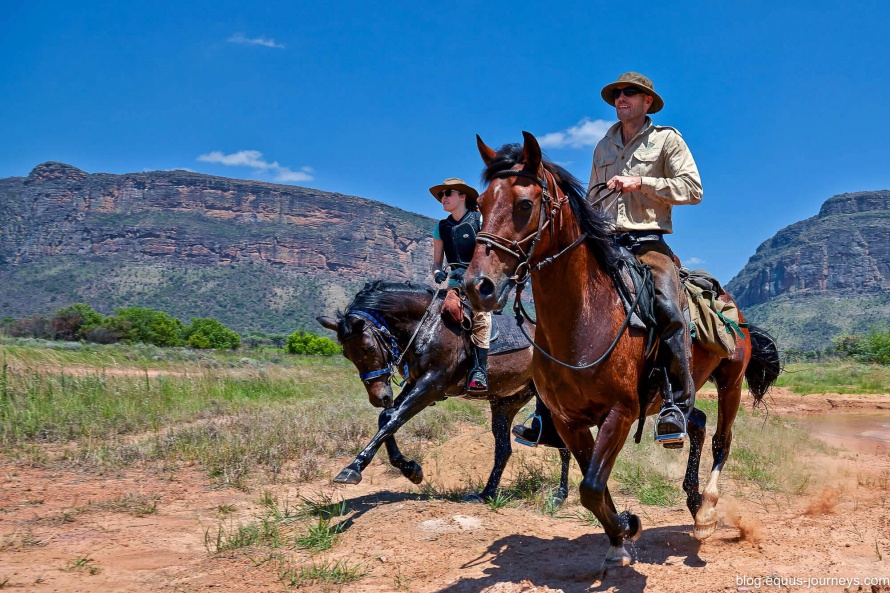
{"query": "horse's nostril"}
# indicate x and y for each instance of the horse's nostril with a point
(485, 287)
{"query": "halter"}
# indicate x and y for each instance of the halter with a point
(550, 208)
(387, 341)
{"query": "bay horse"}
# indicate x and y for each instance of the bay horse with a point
(386, 319)
(537, 225)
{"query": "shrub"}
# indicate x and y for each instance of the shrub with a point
(35, 326)
(874, 347)
(72, 322)
(139, 324)
(206, 333)
(303, 342)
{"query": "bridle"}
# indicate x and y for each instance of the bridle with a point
(550, 208)
(387, 343)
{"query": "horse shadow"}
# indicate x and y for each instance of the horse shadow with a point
(575, 565)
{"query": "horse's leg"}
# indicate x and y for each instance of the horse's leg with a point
(502, 413)
(594, 490)
(728, 397)
(696, 430)
(418, 397)
(559, 497)
(410, 469)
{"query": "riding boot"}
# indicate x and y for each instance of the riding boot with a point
(679, 395)
(478, 377)
(541, 432)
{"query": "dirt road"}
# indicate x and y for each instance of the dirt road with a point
(69, 531)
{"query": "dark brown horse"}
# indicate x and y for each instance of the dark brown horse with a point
(388, 321)
(533, 210)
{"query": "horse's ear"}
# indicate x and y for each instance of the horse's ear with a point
(531, 151)
(488, 153)
(327, 322)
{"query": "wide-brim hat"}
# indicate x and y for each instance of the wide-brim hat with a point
(459, 185)
(633, 79)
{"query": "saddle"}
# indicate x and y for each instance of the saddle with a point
(505, 335)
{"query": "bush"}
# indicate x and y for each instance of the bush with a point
(74, 321)
(303, 342)
(35, 326)
(139, 324)
(206, 333)
(875, 347)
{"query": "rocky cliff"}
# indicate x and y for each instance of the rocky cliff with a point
(255, 255)
(823, 276)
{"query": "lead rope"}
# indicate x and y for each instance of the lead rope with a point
(417, 329)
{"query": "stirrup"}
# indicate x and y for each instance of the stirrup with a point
(527, 442)
(671, 440)
(470, 380)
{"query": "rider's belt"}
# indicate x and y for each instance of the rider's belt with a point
(633, 240)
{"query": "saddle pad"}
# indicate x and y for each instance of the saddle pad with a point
(509, 336)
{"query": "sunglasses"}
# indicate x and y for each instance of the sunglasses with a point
(628, 92)
(447, 192)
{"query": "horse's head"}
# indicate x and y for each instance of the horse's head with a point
(512, 216)
(362, 345)
(533, 212)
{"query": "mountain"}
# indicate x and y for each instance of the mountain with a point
(257, 256)
(824, 276)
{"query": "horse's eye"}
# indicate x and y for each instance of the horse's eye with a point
(525, 204)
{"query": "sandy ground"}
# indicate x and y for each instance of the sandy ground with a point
(60, 530)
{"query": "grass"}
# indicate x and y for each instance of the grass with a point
(836, 376)
(340, 572)
(235, 417)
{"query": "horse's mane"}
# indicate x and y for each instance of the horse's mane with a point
(591, 222)
(390, 297)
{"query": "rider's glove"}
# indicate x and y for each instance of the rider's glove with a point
(440, 276)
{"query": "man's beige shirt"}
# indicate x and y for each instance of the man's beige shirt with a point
(661, 158)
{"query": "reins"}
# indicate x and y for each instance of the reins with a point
(550, 208)
(389, 344)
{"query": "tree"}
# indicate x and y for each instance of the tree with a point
(74, 321)
(210, 333)
(149, 326)
(303, 342)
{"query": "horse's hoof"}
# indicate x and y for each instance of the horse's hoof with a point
(557, 500)
(703, 531)
(348, 476)
(474, 498)
(634, 528)
(705, 522)
(617, 557)
(413, 472)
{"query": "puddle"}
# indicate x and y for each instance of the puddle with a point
(867, 433)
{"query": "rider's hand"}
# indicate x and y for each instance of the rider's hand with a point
(440, 276)
(625, 184)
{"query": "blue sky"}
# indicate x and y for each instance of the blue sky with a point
(382, 100)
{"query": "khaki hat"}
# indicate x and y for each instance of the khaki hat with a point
(459, 185)
(638, 80)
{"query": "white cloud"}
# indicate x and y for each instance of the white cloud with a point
(586, 133)
(254, 159)
(264, 41)
(694, 261)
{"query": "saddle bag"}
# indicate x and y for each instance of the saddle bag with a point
(714, 323)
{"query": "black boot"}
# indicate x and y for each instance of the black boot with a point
(678, 393)
(541, 432)
(478, 377)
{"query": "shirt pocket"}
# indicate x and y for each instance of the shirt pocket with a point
(644, 161)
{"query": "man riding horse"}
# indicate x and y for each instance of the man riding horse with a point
(454, 239)
(651, 170)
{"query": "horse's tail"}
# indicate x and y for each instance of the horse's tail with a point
(765, 364)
